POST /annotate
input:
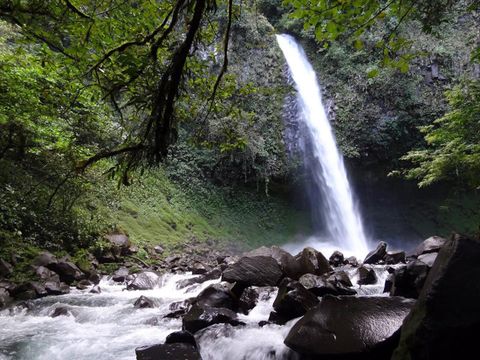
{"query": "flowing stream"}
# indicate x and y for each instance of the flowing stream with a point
(337, 207)
(107, 326)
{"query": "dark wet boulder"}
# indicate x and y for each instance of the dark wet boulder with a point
(28, 290)
(143, 302)
(293, 300)
(5, 268)
(287, 262)
(376, 256)
(53, 287)
(322, 285)
(349, 328)
(68, 271)
(395, 257)
(408, 280)
(388, 283)
(95, 290)
(445, 320)
(211, 275)
(179, 308)
(312, 261)
(198, 268)
(183, 337)
(336, 259)
(168, 352)
(60, 311)
(432, 244)
(199, 317)
(366, 275)
(120, 275)
(83, 284)
(352, 260)
(255, 270)
(340, 277)
(145, 280)
(428, 258)
(219, 296)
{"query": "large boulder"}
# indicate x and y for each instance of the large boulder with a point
(68, 271)
(377, 255)
(395, 257)
(120, 275)
(28, 290)
(45, 258)
(54, 287)
(287, 262)
(255, 270)
(408, 280)
(174, 351)
(366, 275)
(312, 261)
(432, 244)
(336, 259)
(145, 280)
(445, 320)
(183, 337)
(199, 317)
(321, 285)
(293, 300)
(428, 258)
(143, 302)
(219, 296)
(349, 328)
(120, 244)
(44, 273)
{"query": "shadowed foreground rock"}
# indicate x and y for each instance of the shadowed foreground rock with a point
(348, 327)
(168, 352)
(445, 321)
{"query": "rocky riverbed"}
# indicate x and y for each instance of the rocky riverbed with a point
(263, 304)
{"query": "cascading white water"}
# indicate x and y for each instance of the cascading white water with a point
(342, 219)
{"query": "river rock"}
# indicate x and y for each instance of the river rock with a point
(45, 259)
(287, 262)
(321, 285)
(159, 249)
(143, 302)
(199, 317)
(5, 268)
(68, 271)
(56, 287)
(432, 244)
(120, 243)
(336, 259)
(408, 280)
(44, 273)
(428, 258)
(218, 296)
(183, 337)
(60, 311)
(312, 261)
(96, 290)
(28, 290)
(168, 352)
(198, 268)
(293, 300)
(395, 257)
(255, 270)
(120, 275)
(145, 280)
(340, 277)
(445, 320)
(366, 275)
(352, 260)
(5, 298)
(83, 284)
(377, 255)
(348, 327)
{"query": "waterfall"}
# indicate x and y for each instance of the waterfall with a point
(336, 207)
